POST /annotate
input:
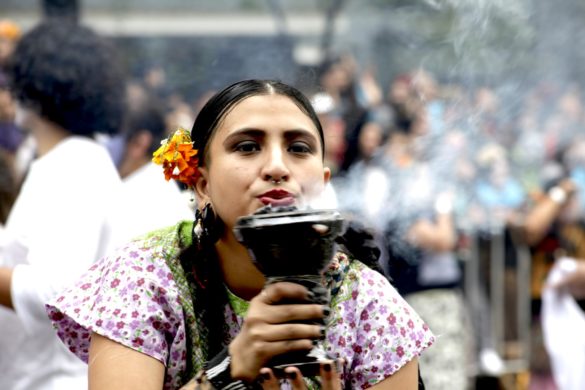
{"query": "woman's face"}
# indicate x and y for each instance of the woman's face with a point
(264, 151)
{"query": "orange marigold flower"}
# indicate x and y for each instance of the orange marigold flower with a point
(178, 158)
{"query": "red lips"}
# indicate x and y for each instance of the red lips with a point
(277, 197)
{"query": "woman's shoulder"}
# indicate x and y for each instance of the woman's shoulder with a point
(147, 258)
(130, 296)
(346, 268)
(371, 326)
(363, 280)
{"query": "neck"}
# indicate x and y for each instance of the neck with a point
(47, 135)
(239, 273)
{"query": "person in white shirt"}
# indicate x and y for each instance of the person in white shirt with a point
(147, 201)
(68, 86)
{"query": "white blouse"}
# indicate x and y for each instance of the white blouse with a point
(58, 226)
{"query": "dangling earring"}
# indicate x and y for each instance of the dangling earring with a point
(197, 226)
(207, 226)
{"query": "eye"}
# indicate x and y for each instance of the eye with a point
(247, 147)
(300, 148)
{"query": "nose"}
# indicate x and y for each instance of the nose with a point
(275, 168)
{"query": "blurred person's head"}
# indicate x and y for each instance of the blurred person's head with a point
(179, 115)
(144, 127)
(335, 75)
(333, 129)
(410, 118)
(424, 85)
(492, 161)
(136, 95)
(370, 138)
(10, 137)
(67, 75)
(400, 89)
(155, 77)
(374, 132)
(10, 33)
(486, 101)
(62, 10)
(570, 105)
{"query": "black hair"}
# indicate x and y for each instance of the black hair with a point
(404, 117)
(148, 116)
(220, 104)
(62, 9)
(70, 76)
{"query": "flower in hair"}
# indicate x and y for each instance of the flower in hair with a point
(178, 158)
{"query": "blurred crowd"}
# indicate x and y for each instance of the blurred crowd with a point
(438, 170)
(451, 176)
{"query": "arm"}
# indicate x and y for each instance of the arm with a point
(539, 219)
(438, 236)
(5, 284)
(405, 378)
(13, 251)
(114, 366)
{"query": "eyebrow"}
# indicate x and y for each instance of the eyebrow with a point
(257, 133)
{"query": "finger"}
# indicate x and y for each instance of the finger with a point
(295, 378)
(330, 375)
(281, 332)
(279, 314)
(277, 292)
(191, 385)
(271, 349)
(267, 379)
(320, 228)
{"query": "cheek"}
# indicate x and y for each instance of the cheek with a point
(228, 192)
(312, 182)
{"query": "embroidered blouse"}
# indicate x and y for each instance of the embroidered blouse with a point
(140, 297)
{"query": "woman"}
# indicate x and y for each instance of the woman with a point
(150, 315)
(58, 225)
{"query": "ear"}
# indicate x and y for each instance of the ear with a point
(201, 188)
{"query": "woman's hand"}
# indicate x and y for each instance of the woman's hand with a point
(272, 327)
(330, 378)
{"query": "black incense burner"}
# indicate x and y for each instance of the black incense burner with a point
(287, 244)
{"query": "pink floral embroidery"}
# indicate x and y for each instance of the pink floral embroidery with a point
(370, 325)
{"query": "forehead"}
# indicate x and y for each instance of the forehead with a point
(265, 112)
